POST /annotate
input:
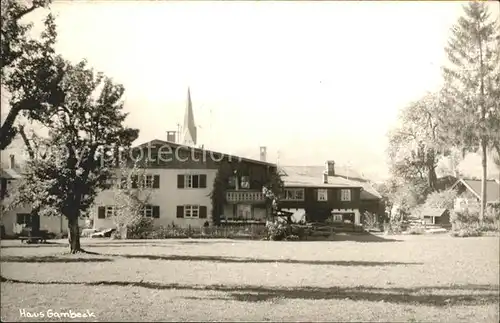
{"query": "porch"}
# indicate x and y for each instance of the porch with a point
(245, 207)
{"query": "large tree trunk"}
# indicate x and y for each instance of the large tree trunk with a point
(74, 234)
(484, 165)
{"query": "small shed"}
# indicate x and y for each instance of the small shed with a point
(435, 216)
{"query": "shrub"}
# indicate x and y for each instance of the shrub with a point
(277, 231)
(416, 230)
(141, 229)
(370, 220)
(464, 233)
(292, 238)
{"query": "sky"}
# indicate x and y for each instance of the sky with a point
(311, 81)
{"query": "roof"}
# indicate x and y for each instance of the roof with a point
(9, 173)
(313, 175)
(157, 142)
(434, 212)
(474, 186)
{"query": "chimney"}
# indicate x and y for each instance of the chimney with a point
(330, 167)
(12, 164)
(263, 153)
(171, 136)
(325, 178)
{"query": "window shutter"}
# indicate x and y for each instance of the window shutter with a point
(156, 181)
(156, 211)
(20, 218)
(203, 212)
(180, 211)
(180, 181)
(135, 180)
(203, 181)
(101, 212)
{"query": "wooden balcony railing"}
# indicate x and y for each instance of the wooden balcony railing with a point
(245, 196)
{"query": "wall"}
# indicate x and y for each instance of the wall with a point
(50, 223)
(333, 202)
(167, 197)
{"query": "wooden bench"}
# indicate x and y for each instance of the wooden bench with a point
(38, 236)
(32, 239)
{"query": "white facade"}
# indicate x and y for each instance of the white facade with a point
(167, 197)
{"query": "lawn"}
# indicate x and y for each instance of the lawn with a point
(410, 278)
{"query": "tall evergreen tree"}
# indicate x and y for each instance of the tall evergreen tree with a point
(471, 80)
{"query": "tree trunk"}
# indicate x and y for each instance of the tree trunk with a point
(484, 175)
(123, 232)
(74, 234)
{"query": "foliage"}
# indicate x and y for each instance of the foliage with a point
(417, 145)
(278, 230)
(272, 191)
(83, 131)
(140, 229)
(465, 233)
(370, 220)
(410, 195)
(224, 232)
(218, 193)
(129, 202)
(31, 72)
(443, 199)
(472, 84)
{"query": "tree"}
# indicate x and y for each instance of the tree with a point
(416, 146)
(444, 199)
(130, 200)
(29, 72)
(84, 132)
(471, 82)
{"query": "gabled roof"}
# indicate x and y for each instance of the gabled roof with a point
(158, 143)
(474, 186)
(434, 212)
(343, 177)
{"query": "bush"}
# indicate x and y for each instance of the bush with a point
(292, 238)
(277, 231)
(142, 229)
(416, 230)
(464, 233)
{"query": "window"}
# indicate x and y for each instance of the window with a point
(294, 194)
(337, 218)
(147, 211)
(245, 182)
(322, 195)
(345, 195)
(24, 218)
(110, 211)
(150, 211)
(192, 181)
(147, 181)
(191, 211)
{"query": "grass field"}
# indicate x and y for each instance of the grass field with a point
(411, 278)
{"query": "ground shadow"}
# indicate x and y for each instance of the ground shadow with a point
(51, 259)
(260, 261)
(428, 295)
(362, 238)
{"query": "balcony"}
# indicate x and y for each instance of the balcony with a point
(245, 196)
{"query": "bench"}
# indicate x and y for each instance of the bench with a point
(33, 239)
(30, 236)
